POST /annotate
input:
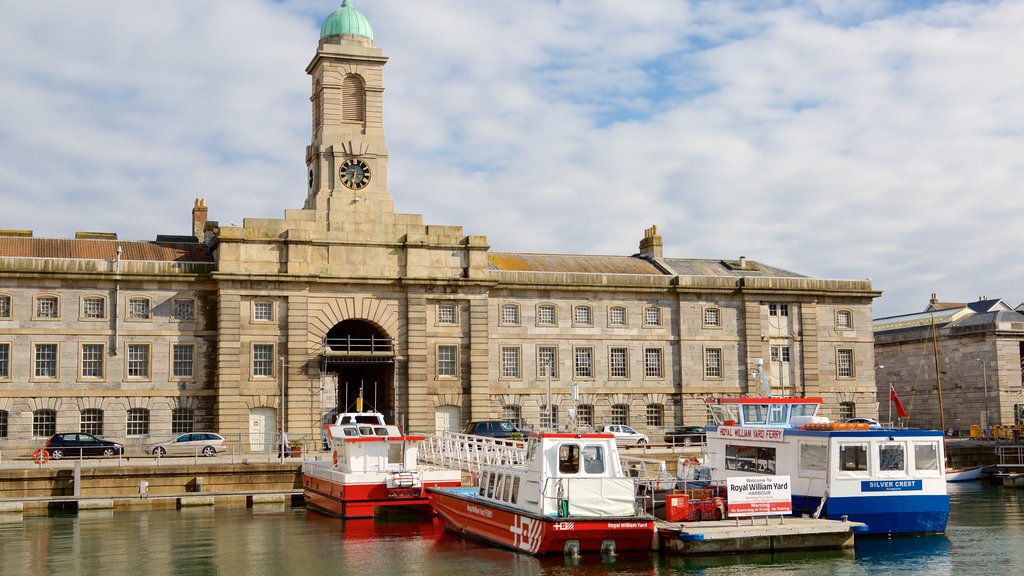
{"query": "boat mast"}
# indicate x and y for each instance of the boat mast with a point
(938, 376)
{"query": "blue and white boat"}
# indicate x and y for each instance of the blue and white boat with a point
(892, 479)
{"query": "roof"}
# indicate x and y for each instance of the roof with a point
(573, 263)
(346, 20)
(729, 268)
(77, 249)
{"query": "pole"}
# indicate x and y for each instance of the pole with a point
(548, 370)
(938, 377)
(283, 434)
(984, 379)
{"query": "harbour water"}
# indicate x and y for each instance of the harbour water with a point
(985, 536)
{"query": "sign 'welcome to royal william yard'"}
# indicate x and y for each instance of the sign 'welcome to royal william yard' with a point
(760, 496)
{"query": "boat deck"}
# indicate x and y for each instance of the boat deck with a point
(756, 535)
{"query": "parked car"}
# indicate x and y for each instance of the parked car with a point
(78, 444)
(686, 435)
(623, 434)
(190, 444)
(494, 429)
(871, 422)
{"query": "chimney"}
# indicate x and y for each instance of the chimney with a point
(199, 213)
(743, 261)
(935, 299)
(650, 246)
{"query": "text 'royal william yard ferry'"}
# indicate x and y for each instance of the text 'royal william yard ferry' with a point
(892, 479)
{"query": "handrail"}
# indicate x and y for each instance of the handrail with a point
(350, 345)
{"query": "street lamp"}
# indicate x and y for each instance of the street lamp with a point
(984, 379)
(548, 367)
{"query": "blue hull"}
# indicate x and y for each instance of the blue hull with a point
(884, 515)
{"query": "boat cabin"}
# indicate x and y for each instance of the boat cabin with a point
(773, 412)
(372, 448)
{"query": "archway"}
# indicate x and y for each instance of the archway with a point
(362, 356)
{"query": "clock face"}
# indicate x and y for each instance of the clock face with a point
(354, 173)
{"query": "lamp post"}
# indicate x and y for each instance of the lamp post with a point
(984, 379)
(547, 370)
(283, 435)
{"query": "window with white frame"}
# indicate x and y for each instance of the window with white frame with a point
(182, 420)
(653, 363)
(844, 319)
(92, 421)
(93, 360)
(183, 309)
(5, 360)
(547, 362)
(263, 360)
(5, 306)
(584, 362)
(45, 361)
(844, 363)
(620, 415)
(138, 421)
(778, 309)
(263, 311)
(583, 316)
(138, 360)
(712, 317)
(617, 316)
(655, 415)
(780, 353)
(712, 362)
(585, 414)
(618, 362)
(513, 414)
(546, 315)
(47, 307)
(652, 316)
(510, 314)
(183, 360)
(94, 308)
(447, 361)
(510, 362)
(44, 423)
(138, 309)
(446, 314)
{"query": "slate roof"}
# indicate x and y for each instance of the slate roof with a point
(573, 263)
(730, 268)
(79, 249)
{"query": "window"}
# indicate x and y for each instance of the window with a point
(44, 423)
(593, 460)
(94, 308)
(546, 315)
(585, 414)
(92, 421)
(183, 309)
(853, 457)
(182, 420)
(755, 459)
(844, 319)
(47, 307)
(510, 362)
(3, 424)
(5, 361)
(263, 311)
(547, 362)
(652, 316)
(513, 414)
(46, 361)
(93, 361)
(183, 360)
(584, 362)
(655, 415)
(447, 361)
(926, 456)
(712, 362)
(847, 410)
(891, 458)
(549, 420)
(813, 458)
(568, 459)
(583, 316)
(446, 314)
(510, 314)
(844, 363)
(138, 360)
(5, 306)
(778, 309)
(617, 316)
(138, 422)
(263, 360)
(780, 353)
(138, 308)
(712, 318)
(620, 415)
(353, 102)
(652, 363)
(618, 362)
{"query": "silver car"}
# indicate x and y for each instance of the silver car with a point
(190, 444)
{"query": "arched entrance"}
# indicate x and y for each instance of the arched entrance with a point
(362, 357)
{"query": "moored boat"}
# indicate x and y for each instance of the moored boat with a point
(966, 474)
(571, 496)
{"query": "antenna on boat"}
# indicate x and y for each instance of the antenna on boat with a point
(359, 400)
(765, 383)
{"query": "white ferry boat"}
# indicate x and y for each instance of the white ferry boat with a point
(891, 479)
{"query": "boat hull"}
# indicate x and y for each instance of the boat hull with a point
(883, 515)
(360, 495)
(964, 474)
(463, 513)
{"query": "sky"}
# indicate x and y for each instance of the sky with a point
(836, 139)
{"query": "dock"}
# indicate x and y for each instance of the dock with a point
(766, 534)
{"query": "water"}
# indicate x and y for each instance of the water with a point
(985, 536)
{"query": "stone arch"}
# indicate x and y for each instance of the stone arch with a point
(327, 313)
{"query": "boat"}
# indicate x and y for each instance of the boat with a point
(891, 479)
(570, 496)
(372, 465)
(964, 474)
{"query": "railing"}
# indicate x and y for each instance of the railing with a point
(468, 453)
(349, 345)
(1010, 455)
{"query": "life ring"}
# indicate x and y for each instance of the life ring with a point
(691, 461)
(335, 457)
(41, 456)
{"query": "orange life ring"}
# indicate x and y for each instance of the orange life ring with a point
(335, 457)
(41, 456)
(691, 461)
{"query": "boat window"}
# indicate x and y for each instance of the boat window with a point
(366, 430)
(755, 414)
(756, 459)
(491, 481)
(777, 414)
(380, 431)
(508, 489)
(813, 457)
(891, 458)
(804, 409)
(593, 460)
(515, 490)
(853, 457)
(395, 453)
(351, 431)
(499, 484)
(483, 483)
(926, 456)
(568, 459)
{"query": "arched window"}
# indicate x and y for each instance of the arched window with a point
(353, 103)
(513, 414)
(655, 415)
(847, 410)
(138, 422)
(182, 420)
(92, 421)
(620, 415)
(585, 415)
(44, 423)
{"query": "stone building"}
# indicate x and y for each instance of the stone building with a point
(973, 351)
(236, 325)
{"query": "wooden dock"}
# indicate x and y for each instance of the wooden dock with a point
(770, 534)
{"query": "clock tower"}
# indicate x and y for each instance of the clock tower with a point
(346, 160)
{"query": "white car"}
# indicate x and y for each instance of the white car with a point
(191, 444)
(623, 434)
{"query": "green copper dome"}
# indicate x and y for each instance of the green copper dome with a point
(346, 20)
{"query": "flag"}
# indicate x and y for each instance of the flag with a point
(900, 410)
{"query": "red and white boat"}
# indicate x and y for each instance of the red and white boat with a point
(372, 465)
(571, 496)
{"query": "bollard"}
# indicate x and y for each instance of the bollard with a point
(143, 489)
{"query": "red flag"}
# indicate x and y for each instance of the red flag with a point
(900, 410)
